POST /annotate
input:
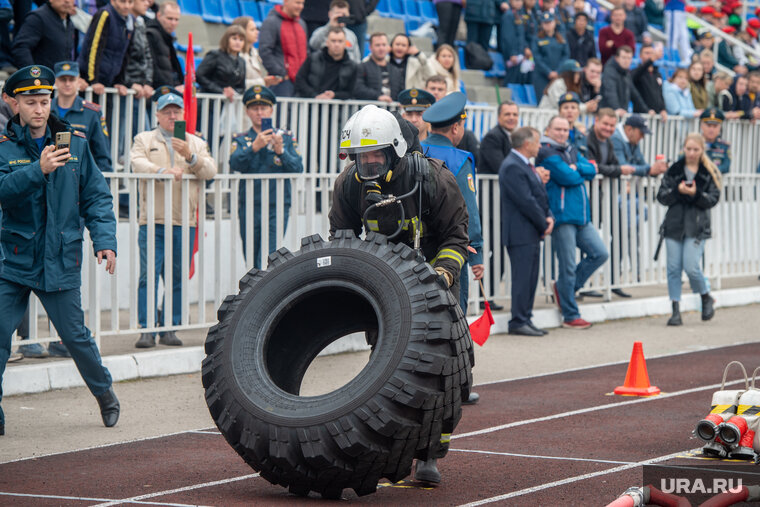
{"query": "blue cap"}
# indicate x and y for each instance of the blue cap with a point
(163, 90)
(258, 94)
(569, 66)
(545, 17)
(414, 99)
(446, 111)
(169, 99)
(66, 68)
(31, 80)
(569, 97)
(637, 122)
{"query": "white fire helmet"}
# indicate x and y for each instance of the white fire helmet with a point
(371, 129)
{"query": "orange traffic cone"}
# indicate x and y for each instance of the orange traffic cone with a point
(637, 378)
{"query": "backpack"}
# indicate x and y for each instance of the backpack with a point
(476, 57)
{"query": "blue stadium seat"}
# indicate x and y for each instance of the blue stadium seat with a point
(251, 8)
(427, 11)
(461, 57)
(498, 69)
(411, 25)
(182, 48)
(383, 8)
(264, 8)
(190, 7)
(366, 48)
(412, 11)
(395, 9)
(518, 94)
(182, 62)
(530, 95)
(230, 10)
(212, 11)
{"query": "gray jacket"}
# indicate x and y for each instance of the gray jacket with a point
(318, 38)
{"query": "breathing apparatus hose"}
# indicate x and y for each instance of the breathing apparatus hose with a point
(388, 200)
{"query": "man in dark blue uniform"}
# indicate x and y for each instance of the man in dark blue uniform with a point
(414, 102)
(719, 150)
(82, 115)
(43, 192)
(446, 118)
(263, 151)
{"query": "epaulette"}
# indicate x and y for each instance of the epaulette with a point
(78, 133)
(3, 138)
(237, 136)
(91, 105)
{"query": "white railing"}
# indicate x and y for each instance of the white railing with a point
(111, 301)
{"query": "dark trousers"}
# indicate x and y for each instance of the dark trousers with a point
(480, 33)
(64, 308)
(176, 289)
(464, 287)
(448, 22)
(284, 89)
(525, 261)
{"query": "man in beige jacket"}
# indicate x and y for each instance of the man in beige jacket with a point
(159, 152)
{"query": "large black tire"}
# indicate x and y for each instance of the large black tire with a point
(394, 410)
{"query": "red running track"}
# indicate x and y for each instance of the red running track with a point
(556, 439)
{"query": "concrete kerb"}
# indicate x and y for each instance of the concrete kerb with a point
(25, 379)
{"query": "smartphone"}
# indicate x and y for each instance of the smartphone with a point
(179, 129)
(598, 97)
(62, 140)
(346, 20)
(690, 183)
(266, 124)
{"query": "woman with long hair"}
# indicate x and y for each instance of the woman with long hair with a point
(255, 73)
(223, 70)
(549, 51)
(446, 64)
(569, 80)
(689, 188)
(677, 95)
(698, 85)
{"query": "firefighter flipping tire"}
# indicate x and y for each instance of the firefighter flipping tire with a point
(393, 411)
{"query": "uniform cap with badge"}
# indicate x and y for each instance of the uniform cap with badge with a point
(712, 115)
(569, 97)
(447, 111)
(258, 94)
(569, 65)
(31, 80)
(414, 99)
(546, 17)
(66, 68)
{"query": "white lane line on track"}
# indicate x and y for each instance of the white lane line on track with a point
(136, 499)
(86, 499)
(570, 480)
(205, 432)
(538, 456)
(616, 363)
(102, 446)
(591, 409)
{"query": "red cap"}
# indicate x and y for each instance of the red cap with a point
(754, 22)
(692, 9)
(707, 9)
(729, 29)
(752, 32)
(719, 14)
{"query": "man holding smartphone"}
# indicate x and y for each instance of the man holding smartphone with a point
(263, 150)
(44, 190)
(163, 151)
(339, 14)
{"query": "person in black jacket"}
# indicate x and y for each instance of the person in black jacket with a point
(328, 73)
(496, 144)
(360, 9)
(223, 70)
(166, 67)
(636, 21)
(600, 148)
(581, 40)
(47, 36)
(377, 79)
(617, 87)
(647, 80)
(689, 189)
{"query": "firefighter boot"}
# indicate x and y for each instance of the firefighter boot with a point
(427, 471)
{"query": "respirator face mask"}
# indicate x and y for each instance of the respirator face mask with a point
(372, 165)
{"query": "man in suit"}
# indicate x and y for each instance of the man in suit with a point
(526, 220)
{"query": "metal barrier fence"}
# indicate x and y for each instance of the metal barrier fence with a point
(624, 210)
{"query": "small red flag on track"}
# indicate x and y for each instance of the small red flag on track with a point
(191, 115)
(480, 330)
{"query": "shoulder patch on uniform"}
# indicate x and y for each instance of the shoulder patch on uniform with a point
(91, 105)
(78, 133)
(3, 138)
(239, 136)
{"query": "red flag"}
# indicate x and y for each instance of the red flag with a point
(481, 328)
(191, 115)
